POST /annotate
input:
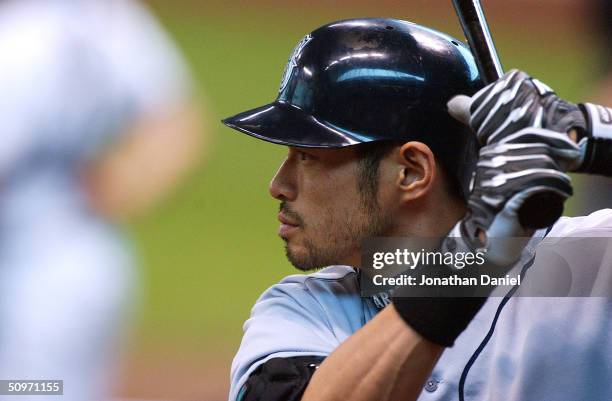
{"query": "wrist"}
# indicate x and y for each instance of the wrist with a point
(440, 314)
(596, 147)
(438, 320)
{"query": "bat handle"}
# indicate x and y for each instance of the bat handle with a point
(540, 210)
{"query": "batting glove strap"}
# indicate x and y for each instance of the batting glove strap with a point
(599, 120)
(596, 146)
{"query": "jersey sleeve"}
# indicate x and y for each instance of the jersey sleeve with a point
(307, 316)
(280, 379)
(286, 321)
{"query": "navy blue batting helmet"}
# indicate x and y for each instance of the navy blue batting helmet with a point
(372, 79)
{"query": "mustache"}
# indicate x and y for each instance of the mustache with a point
(292, 214)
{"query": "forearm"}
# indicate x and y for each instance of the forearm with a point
(383, 361)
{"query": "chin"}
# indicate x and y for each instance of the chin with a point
(306, 262)
(299, 258)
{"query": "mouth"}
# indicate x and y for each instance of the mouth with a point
(287, 226)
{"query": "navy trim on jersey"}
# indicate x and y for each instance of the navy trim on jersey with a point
(489, 334)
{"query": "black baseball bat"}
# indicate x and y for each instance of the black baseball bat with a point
(540, 210)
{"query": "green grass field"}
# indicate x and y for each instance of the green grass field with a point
(211, 250)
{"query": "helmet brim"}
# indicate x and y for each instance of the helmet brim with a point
(284, 124)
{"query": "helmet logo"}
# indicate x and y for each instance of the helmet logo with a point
(292, 63)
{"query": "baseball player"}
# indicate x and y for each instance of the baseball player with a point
(93, 95)
(373, 151)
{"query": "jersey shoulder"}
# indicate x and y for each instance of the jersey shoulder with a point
(598, 223)
(318, 301)
(573, 259)
(302, 315)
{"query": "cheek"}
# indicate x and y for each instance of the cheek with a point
(387, 195)
(339, 191)
(317, 183)
(329, 197)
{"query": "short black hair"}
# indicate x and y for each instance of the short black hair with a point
(371, 153)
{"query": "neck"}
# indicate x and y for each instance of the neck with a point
(422, 224)
(431, 220)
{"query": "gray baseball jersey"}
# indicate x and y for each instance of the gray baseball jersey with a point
(516, 348)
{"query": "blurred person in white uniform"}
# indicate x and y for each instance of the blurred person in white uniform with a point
(98, 123)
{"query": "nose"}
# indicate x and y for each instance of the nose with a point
(282, 186)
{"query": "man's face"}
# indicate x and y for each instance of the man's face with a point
(324, 215)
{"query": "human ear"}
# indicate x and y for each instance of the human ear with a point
(418, 171)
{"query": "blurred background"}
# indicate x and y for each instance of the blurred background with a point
(208, 250)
